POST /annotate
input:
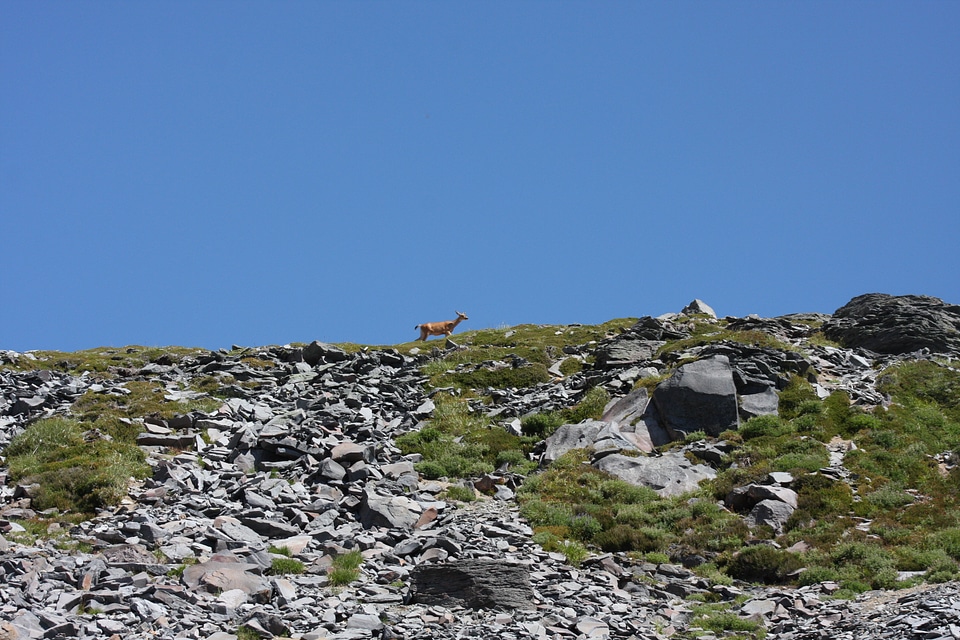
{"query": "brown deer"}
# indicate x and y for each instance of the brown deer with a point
(439, 328)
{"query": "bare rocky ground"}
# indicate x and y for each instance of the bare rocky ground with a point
(307, 464)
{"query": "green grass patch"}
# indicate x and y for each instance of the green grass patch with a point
(538, 345)
(719, 619)
(573, 501)
(459, 444)
(284, 566)
(590, 406)
(73, 475)
(460, 493)
(345, 568)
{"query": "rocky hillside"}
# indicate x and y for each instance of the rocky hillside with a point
(682, 476)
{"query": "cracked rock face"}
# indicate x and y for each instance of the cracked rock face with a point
(303, 469)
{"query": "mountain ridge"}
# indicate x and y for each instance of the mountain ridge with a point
(388, 450)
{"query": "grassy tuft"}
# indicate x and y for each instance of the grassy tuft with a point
(284, 565)
(346, 568)
(72, 474)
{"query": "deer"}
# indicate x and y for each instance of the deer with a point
(439, 328)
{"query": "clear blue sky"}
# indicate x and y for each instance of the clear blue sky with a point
(209, 173)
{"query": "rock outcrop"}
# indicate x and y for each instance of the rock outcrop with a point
(896, 324)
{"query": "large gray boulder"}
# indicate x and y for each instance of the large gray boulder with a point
(392, 512)
(765, 402)
(626, 351)
(772, 513)
(603, 437)
(896, 324)
(635, 421)
(700, 396)
(569, 437)
(476, 584)
(699, 307)
(669, 475)
(226, 573)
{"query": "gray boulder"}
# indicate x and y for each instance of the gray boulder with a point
(700, 396)
(475, 584)
(225, 574)
(625, 352)
(669, 475)
(896, 324)
(317, 352)
(772, 513)
(766, 402)
(699, 307)
(395, 512)
(569, 437)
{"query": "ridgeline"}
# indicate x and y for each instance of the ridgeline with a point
(686, 476)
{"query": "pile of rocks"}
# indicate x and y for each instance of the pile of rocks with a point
(303, 464)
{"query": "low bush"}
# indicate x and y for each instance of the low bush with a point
(766, 425)
(762, 563)
(626, 538)
(461, 493)
(459, 444)
(797, 398)
(73, 474)
(345, 568)
(284, 565)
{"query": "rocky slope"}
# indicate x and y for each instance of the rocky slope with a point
(301, 459)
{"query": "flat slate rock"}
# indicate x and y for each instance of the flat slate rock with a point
(476, 584)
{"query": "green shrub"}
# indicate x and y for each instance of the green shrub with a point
(889, 497)
(247, 633)
(515, 459)
(461, 493)
(544, 513)
(624, 493)
(626, 538)
(762, 563)
(656, 557)
(808, 462)
(924, 381)
(948, 540)
(283, 566)
(720, 621)
(46, 436)
(574, 552)
(459, 444)
(591, 406)
(816, 575)
(345, 568)
(822, 497)
(541, 425)
(72, 474)
(431, 469)
(585, 527)
(766, 425)
(503, 378)
(861, 561)
(797, 396)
